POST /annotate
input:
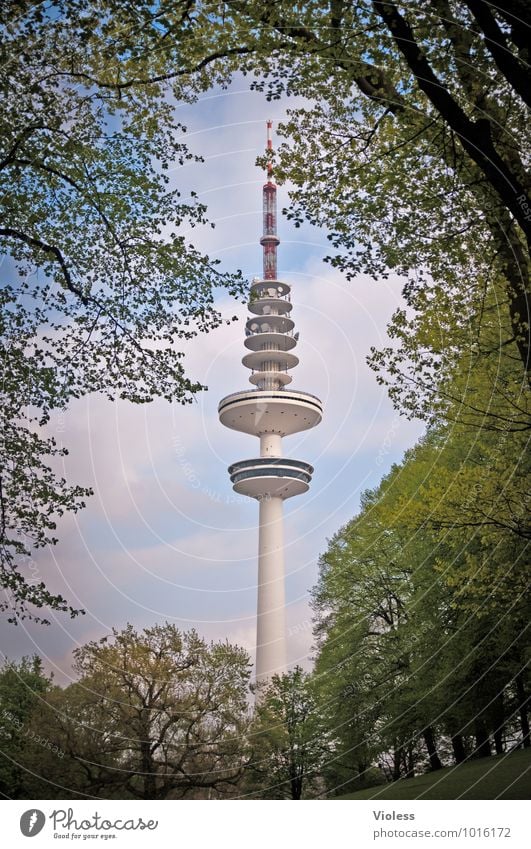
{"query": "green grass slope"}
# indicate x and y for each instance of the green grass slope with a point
(502, 777)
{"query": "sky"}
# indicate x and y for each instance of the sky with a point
(164, 538)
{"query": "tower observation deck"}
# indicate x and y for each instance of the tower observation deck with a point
(270, 411)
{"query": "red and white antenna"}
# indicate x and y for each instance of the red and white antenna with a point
(270, 147)
(270, 240)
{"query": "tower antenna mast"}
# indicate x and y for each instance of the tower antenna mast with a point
(270, 240)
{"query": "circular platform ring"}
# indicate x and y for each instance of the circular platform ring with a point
(271, 487)
(262, 464)
(282, 288)
(280, 304)
(257, 341)
(281, 377)
(258, 360)
(282, 411)
(277, 323)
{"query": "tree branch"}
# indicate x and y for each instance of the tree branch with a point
(33, 242)
(475, 136)
(161, 78)
(496, 43)
(372, 83)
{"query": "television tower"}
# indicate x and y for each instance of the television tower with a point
(270, 412)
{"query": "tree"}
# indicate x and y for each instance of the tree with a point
(288, 743)
(422, 612)
(101, 283)
(364, 661)
(22, 686)
(155, 715)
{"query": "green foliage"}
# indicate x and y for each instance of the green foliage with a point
(101, 284)
(422, 607)
(22, 686)
(287, 738)
(154, 715)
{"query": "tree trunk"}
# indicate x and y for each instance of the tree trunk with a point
(517, 273)
(296, 788)
(483, 749)
(295, 779)
(410, 762)
(498, 741)
(362, 772)
(498, 716)
(459, 748)
(475, 136)
(523, 709)
(148, 773)
(397, 755)
(429, 739)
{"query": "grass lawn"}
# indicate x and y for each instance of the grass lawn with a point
(502, 777)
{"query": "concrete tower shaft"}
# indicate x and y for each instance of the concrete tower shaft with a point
(270, 412)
